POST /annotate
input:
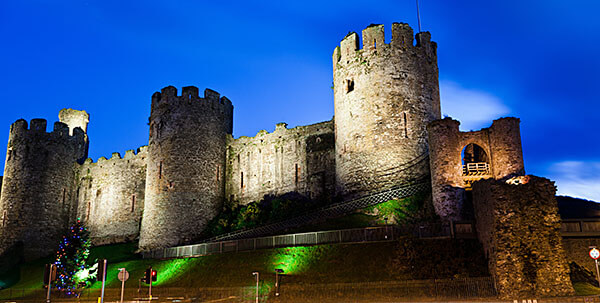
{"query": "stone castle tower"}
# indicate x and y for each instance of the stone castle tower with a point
(185, 183)
(385, 95)
(165, 193)
(38, 184)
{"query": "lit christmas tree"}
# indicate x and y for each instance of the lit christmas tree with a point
(71, 260)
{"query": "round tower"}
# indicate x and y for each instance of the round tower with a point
(185, 166)
(385, 95)
(38, 185)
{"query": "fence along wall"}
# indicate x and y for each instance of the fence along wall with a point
(299, 159)
(369, 234)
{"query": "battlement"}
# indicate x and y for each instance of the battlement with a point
(373, 38)
(281, 129)
(189, 96)
(38, 126)
(116, 157)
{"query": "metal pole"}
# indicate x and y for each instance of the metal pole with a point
(597, 272)
(122, 284)
(150, 290)
(103, 280)
(257, 279)
(418, 16)
(276, 283)
(50, 282)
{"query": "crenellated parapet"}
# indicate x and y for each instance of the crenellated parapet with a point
(211, 104)
(373, 43)
(385, 94)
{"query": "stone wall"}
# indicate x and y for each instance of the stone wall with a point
(110, 196)
(577, 250)
(384, 96)
(38, 187)
(299, 160)
(519, 227)
(185, 176)
(501, 143)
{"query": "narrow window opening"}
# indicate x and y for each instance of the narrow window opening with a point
(132, 202)
(238, 156)
(218, 173)
(160, 170)
(349, 85)
(64, 196)
(405, 127)
(87, 215)
(297, 174)
(242, 180)
(4, 218)
(374, 43)
(171, 185)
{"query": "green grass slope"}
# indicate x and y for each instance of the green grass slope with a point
(399, 260)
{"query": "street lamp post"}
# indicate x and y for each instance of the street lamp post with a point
(277, 272)
(257, 279)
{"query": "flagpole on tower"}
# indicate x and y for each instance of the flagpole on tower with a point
(418, 16)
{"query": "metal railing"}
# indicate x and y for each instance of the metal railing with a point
(476, 169)
(331, 211)
(356, 235)
(580, 227)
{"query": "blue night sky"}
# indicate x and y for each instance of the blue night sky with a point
(536, 60)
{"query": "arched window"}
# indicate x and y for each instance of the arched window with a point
(475, 161)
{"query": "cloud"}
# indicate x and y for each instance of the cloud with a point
(474, 109)
(579, 179)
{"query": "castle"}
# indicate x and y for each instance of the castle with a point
(387, 130)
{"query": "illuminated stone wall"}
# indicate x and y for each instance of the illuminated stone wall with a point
(299, 159)
(501, 142)
(185, 176)
(384, 96)
(38, 185)
(110, 196)
(519, 226)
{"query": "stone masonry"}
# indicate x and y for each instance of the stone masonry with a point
(39, 184)
(385, 94)
(501, 145)
(300, 159)
(519, 227)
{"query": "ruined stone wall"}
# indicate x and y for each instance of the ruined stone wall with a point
(37, 192)
(185, 173)
(110, 196)
(501, 142)
(385, 95)
(299, 160)
(519, 226)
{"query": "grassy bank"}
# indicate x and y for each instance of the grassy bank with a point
(399, 260)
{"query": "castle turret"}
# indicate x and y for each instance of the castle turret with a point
(458, 159)
(38, 184)
(186, 161)
(385, 94)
